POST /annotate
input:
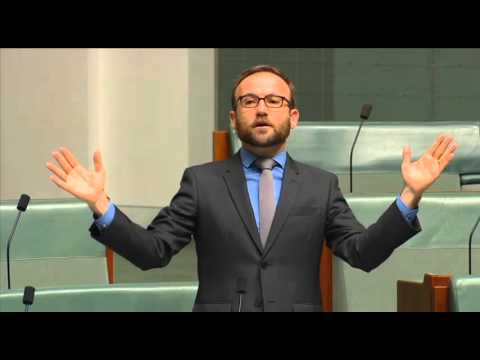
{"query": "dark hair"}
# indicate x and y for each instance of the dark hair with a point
(264, 68)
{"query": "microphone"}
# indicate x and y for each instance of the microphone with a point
(470, 247)
(21, 206)
(28, 295)
(364, 115)
(241, 289)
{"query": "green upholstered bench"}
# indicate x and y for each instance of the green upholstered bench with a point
(441, 248)
(465, 293)
(169, 297)
(52, 245)
(378, 152)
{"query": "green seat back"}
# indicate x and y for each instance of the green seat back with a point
(171, 297)
(52, 245)
(441, 247)
(378, 152)
(465, 293)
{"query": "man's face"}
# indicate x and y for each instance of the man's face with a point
(263, 126)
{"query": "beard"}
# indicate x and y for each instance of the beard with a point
(248, 135)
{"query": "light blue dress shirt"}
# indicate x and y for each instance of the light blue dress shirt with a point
(252, 176)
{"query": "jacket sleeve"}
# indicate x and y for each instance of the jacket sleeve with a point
(364, 248)
(166, 235)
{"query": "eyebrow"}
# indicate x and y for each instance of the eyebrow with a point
(252, 94)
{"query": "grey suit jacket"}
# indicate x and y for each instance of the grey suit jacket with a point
(213, 206)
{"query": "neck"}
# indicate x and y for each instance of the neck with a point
(265, 152)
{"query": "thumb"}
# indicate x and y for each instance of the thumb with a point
(97, 161)
(407, 154)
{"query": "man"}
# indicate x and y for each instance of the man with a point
(258, 219)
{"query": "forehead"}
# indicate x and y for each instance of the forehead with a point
(263, 83)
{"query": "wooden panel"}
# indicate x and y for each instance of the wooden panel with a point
(412, 297)
(440, 300)
(326, 278)
(429, 296)
(221, 145)
(439, 286)
(110, 265)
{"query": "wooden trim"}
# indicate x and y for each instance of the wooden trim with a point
(110, 265)
(221, 145)
(222, 151)
(326, 278)
(440, 300)
(436, 280)
(412, 297)
(438, 286)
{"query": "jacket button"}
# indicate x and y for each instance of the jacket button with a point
(264, 264)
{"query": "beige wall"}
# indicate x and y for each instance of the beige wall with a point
(43, 102)
(150, 111)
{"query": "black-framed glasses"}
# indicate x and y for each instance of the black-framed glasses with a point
(272, 101)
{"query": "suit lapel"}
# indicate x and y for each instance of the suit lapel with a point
(288, 195)
(235, 179)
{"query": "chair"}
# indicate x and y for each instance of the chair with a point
(151, 297)
(378, 152)
(52, 246)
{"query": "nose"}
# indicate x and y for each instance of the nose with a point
(261, 106)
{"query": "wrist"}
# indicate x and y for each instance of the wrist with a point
(410, 197)
(100, 207)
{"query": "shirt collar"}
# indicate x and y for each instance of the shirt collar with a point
(248, 158)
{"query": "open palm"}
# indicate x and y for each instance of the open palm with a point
(74, 178)
(421, 174)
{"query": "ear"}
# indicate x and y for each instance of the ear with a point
(233, 119)
(294, 117)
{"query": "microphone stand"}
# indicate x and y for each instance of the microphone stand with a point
(21, 207)
(470, 247)
(8, 247)
(241, 290)
(364, 115)
(351, 153)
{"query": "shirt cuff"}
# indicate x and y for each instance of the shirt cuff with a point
(409, 214)
(104, 221)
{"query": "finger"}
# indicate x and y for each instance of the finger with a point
(57, 171)
(407, 154)
(60, 183)
(437, 154)
(62, 161)
(446, 159)
(97, 161)
(448, 155)
(436, 144)
(72, 160)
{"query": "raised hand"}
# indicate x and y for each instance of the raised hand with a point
(421, 174)
(82, 183)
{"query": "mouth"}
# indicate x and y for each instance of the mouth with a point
(262, 129)
(262, 125)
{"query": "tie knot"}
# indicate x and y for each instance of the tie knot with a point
(265, 163)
